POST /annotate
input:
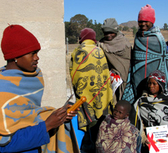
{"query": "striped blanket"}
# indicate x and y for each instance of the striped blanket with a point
(149, 54)
(21, 94)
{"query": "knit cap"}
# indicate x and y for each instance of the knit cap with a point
(87, 33)
(110, 25)
(147, 13)
(17, 41)
(160, 77)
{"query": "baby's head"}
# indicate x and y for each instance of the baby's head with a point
(121, 110)
(156, 82)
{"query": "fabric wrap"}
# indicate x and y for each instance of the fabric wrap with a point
(117, 136)
(91, 78)
(149, 54)
(21, 94)
(150, 111)
(118, 53)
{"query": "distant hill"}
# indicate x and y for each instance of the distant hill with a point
(130, 24)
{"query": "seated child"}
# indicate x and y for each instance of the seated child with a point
(117, 134)
(151, 108)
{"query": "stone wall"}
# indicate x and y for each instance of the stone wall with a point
(44, 18)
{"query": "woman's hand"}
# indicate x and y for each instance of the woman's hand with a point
(147, 142)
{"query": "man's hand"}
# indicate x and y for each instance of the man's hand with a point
(71, 114)
(57, 118)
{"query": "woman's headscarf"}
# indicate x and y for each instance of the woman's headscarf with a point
(160, 77)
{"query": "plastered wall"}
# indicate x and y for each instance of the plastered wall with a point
(44, 18)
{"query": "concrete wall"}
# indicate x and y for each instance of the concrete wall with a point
(44, 18)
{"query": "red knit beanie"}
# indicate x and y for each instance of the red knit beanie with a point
(147, 13)
(18, 41)
(87, 33)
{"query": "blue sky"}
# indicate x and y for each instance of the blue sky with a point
(122, 10)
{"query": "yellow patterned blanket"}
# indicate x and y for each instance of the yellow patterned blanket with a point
(90, 77)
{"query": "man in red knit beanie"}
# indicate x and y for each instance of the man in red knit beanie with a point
(147, 13)
(149, 53)
(25, 125)
(90, 74)
(146, 18)
(18, 41)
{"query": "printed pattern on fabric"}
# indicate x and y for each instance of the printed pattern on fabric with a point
(91, 78)
(145, 60)
(21, 94)
(117, 136)
(152, 111)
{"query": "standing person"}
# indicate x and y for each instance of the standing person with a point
(167, 45)
(118, 52)
(151, 108)
(117, 134)
(149, 53)
(25, 125)
(90, 77)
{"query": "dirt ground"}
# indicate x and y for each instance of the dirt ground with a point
(71, 47)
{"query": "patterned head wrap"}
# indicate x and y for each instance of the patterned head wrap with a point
(160, 77)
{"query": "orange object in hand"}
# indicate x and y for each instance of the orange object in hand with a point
(77, 104)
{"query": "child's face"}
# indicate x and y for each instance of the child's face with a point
(153, 87)
(119, 112)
